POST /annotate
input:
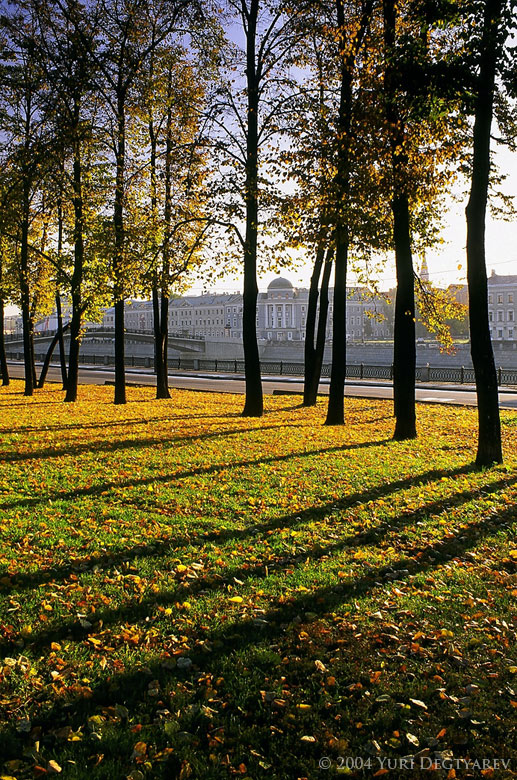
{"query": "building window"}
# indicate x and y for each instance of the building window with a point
(510, 333)
(499, 334)
(289, 336)
(500, 316)
(490, 316)
(500, 298)
(510, 297)
(510, 315)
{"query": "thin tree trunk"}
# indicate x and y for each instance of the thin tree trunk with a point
(254, 403)
(336, 406)
(489, 426)
(312, 381)
(61, 342)
(27, 324)
(118, 260)
(160, 296)
(3, 359)
(48, 356)
(77, 277)
(404, 346)
(59, 314)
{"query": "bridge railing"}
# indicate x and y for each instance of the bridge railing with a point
(362, 371)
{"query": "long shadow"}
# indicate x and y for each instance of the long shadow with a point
(163, 546)
(32, 399)
(113, 423)
(96, 490)
(140, 611)
(239, 634)
(136, 443)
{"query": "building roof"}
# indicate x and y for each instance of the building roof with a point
(496, 279)
(280, 284)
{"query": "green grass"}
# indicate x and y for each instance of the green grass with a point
(188, 593)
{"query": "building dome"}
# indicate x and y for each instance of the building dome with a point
(280, 284)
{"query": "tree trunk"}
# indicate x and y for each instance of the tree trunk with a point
(120, 357)
(310, 327)
(160, 296)
(163, 392)
(77, 278)
(3, 359)
(489, 427)
(156, 332)
(404, 346)
(161, 323)
(118, 260)
(312, 382)
(254, 403)
(61, 342)
(27, 324)
(48, 356)
(336, 406)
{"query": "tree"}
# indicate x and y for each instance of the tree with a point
(25, 146)
(174, 88)
(65, 43)
(250, 112)
(127, 41)
(350, 37)
(404, 354)
(494, 18)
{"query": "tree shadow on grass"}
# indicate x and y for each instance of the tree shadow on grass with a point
(96, 490)
(211, 649)
(369, 537)
(135, 443)
(163, 546)
(113, 423)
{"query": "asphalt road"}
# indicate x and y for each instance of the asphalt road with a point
(227, 383)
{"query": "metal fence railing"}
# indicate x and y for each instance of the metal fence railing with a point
(447, 374)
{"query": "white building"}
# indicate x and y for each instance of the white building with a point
(502, 298)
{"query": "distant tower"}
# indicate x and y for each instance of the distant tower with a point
(424, 271)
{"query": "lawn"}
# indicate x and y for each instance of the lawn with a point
(186, 593)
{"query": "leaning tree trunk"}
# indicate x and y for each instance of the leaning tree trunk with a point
(310, 327)
(489, 425)
(48, 357)
(312, 381)
(3, 359)
(254, 403)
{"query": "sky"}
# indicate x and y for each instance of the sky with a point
(443, 262)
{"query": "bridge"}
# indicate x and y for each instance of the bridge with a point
(177, 341)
